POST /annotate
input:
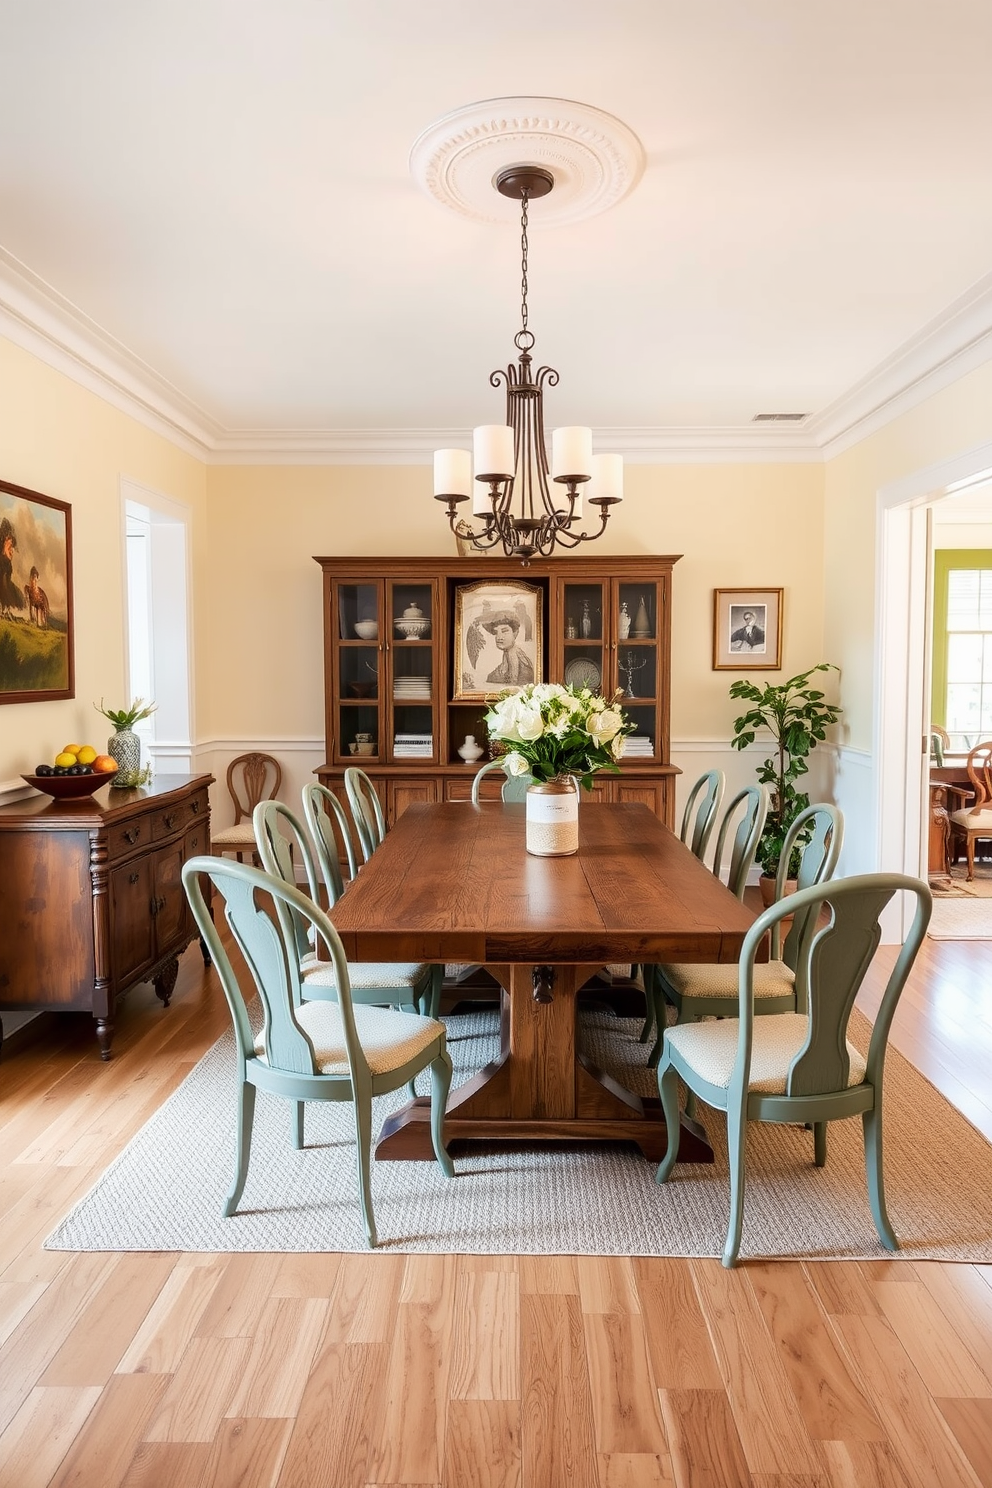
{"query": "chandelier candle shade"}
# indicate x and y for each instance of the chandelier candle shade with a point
(514, 504)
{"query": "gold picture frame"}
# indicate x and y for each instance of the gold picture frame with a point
(498, 640)
(36, 640)
(747, 630)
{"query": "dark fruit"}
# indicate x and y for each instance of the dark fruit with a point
(43, 770)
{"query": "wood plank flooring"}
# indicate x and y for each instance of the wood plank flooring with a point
(300, 1371)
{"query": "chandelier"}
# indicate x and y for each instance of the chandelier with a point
(513, 504)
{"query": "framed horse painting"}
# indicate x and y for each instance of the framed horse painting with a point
(36, 650)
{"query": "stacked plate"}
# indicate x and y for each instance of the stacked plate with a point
(411, 689)
(639, 746)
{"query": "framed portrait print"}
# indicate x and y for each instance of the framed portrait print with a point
(36, 652)
(747, 630)
(499, 638)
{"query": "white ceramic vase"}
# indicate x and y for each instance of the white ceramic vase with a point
(553, 819)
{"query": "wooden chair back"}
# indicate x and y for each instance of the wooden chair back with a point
(252, 778)
(979, 766)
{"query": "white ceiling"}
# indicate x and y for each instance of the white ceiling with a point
(216, 194)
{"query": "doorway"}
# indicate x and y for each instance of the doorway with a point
(159, 630)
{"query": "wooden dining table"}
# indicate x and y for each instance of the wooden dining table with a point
(454, 883)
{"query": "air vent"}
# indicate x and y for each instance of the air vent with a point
(779, 418)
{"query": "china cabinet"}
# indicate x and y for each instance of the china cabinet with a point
(392, 627)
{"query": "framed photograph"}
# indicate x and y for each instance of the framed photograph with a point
(747, 630)
(36, 653)
(499, 638)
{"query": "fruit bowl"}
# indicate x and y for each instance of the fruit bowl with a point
(64, 787)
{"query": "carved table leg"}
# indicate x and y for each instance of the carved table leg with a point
(104, 1035)
(166, 980)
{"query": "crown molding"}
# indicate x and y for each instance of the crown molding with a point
(952, 344)
(44, 323)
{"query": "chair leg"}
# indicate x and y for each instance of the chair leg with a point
(820, 1143)
(440, 1086)
(872, 1122)
(659, 1007)
(668, 1089)
(245, 1118)
(363, 1143)
(736, 1128)
(647, 977)
(297, 1133)
(433, 999)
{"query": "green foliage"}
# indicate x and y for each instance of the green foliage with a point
(32, 658)
(798, 716)
(125, 718)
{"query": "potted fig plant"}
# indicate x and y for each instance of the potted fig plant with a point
(797, 715)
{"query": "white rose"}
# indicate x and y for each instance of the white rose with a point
(529, 724)
(515, 764)
(603, 726)
(618, 746)
(505, 715)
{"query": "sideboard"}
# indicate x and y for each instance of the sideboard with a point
(92, 895)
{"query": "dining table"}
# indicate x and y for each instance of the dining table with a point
(453, 882)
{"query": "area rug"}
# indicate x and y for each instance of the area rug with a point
(955, 885)
(165, 1190)
(961, 919)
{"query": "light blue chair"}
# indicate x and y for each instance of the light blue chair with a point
(799, 1067)
(366, 810)
(328, 823)
(415, 985)
(708, 991)
(308, 1051)
(514, 787)
(699, 816)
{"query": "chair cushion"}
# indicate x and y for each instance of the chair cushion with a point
(974, 821)
(711, 1049)
(365, 974)
(390, 1039)
(771, 979)
(239, 836)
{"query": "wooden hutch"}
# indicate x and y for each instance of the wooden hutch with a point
(394, 703)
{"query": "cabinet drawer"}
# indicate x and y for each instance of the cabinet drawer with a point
(178, 816)
(127, 836)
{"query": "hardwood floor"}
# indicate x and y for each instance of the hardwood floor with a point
(182, 1371)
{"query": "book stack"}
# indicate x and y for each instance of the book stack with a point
(639, 746)
(413, 746)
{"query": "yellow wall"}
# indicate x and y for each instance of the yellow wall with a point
(949, 423)
(65, 442)
(737, 525)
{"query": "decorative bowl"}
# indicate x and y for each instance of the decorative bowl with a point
(413, 629)
(367, 630)
(64, 787)
(362, 689)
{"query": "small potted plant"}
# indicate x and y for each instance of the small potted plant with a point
(125, 746)
(797, 715)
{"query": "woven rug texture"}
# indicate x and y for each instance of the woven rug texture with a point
(165, 1190)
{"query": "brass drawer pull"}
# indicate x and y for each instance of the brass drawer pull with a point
(170, 820)
(133, 877)
(132, 833)
(194, 806)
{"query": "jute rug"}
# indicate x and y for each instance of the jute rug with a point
(961, 919)
(165, 1190)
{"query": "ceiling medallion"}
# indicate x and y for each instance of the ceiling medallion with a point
(595, 160)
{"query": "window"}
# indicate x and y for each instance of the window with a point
(962, 653)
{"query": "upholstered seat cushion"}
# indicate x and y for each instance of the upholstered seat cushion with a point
(771, 979)
(974, 821)
(243, 835)
(365, 975)
(711, 1049)
(389, 1038)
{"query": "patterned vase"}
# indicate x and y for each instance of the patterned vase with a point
(125, 748)
(553, 819)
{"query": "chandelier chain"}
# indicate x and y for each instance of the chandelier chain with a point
(523, 261)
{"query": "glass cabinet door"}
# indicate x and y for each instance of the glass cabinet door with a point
(411, 673)
(636, 623)
(359, 653)
(584, 618)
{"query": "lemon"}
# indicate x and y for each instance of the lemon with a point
(86, 755)
(71, 748)
(65, 758)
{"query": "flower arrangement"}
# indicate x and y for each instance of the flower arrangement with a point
(553, 730)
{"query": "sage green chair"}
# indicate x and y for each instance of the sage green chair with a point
(308, 1051)
(366, 810)
(699, 816)
(799, 1067)
(707, 991)
(415, 985)
(514, 787)
(328, 823)
(745, 819)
